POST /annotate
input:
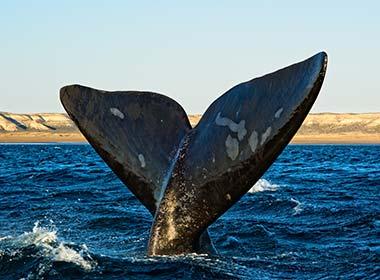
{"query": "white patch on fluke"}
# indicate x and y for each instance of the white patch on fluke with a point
(116, 112)
(265, 135)
(232, 147)
(278, 113)
(253, 141)
(238, 128)
(142, 160)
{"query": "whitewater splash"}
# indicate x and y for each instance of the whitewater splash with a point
(263, 185)
(47, 246)
(298, 206)
(331, 238)
(36, 255)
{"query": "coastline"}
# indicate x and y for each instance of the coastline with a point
(40, 137)
(77, 137)
(320, 128)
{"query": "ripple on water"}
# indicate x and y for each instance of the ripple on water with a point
(314, 214)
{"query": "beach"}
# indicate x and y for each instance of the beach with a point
(323, 128)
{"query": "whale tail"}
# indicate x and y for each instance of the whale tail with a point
(188, 177)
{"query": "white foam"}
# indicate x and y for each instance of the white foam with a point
(4, 238)
(298, 208)
(46, 240)
(65, 254)
(39, 236)
(263, 185)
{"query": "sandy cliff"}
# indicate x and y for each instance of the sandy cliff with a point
(317, 128)
(35, 122)
(44, 127)
(340, 128)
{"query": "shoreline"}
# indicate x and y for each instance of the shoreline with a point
(76, 137)
(319, 128)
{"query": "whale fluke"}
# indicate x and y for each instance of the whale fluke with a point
(186, 177)
(138, 135)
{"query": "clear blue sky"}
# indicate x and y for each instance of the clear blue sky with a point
(191, 51)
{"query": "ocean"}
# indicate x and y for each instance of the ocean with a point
(315, 214)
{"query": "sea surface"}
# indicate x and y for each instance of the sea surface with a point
(315, 214)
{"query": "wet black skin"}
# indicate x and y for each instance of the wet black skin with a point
(206, 179)
(153, 125)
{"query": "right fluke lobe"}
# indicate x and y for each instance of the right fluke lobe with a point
(235, 142)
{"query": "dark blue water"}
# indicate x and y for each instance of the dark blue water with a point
(316, 214)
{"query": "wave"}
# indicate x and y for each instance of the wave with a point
(41, 248)
(39, 254)
(263, 185)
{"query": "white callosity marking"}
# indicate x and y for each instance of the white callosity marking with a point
(265, 135)
(239, 128)
(116, 112)
(142, 160)
(278, 113)
(232, 147)
(253, 140)
(241, 131)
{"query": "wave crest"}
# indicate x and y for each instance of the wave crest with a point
(48, 247)
(263, 185)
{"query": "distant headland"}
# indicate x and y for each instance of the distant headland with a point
(321, 128)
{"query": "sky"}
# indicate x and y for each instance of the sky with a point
(192, 51)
